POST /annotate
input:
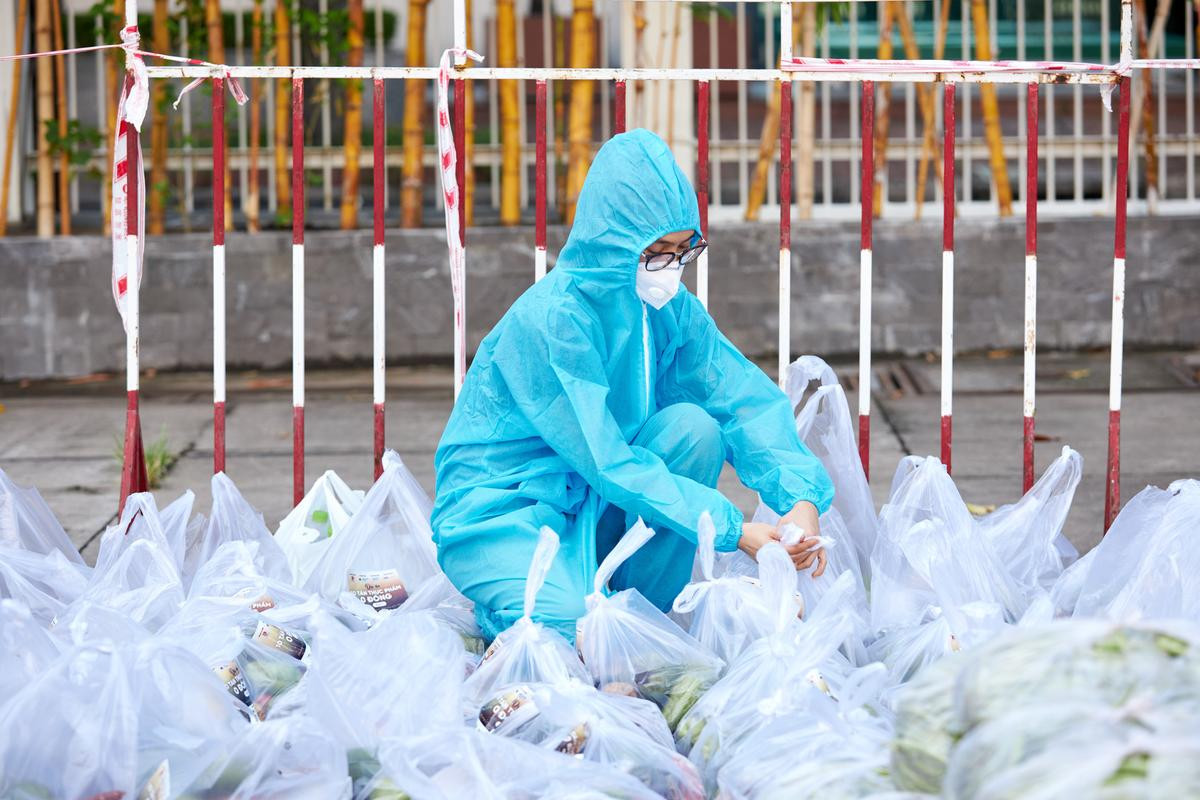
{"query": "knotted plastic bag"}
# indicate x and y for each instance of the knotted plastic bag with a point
(727, 613)
(233, 519)
(631, 647)
(305, 533)
(386, 550)
(528, 652)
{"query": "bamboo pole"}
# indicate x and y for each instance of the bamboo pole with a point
(156, 210)
(510, 116)
(583, 33)
(991, 111)
(44, 70)
(352, 138)
(766, 153)
(1142, 115)
(60, 103)
(114, 66)
(11, 125)
(250, 203)
(884, 105)
(216, 54)
(931, 148)
(806, 108)
(411, 183)
(283, 111)
(926, 96)
(560, 117)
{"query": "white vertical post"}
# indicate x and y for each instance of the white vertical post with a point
(460, 31)
(133, 267)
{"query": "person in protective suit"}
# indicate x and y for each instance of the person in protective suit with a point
(604, 394)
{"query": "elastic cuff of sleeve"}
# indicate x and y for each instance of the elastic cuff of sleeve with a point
(728, 538)
(822, 501)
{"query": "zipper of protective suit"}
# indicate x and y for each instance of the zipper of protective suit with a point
(646, 354)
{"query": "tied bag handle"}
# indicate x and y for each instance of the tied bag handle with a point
(539, 567)
(629, 544)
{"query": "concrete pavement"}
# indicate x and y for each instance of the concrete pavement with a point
(63, 436)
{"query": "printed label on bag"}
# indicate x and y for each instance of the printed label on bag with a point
(380, 589)
(575, 741)
(235, 681)
(158, 785)
(258, 603)
(277, 638)
(511, 709)
(493, 648)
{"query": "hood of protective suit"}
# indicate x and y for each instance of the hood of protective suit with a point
(633, 195)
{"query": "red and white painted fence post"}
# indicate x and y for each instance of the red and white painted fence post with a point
(298, 207)
(460, 174)
(785, 227)
(378, 346)
(539, 180)
(1112, 491)
(702, 166)
(948, 210)
(867, 198)
(218, 267)
(1031, 216)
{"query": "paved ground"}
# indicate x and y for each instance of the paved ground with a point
(62, 437)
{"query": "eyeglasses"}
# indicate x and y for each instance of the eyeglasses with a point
(655, 261)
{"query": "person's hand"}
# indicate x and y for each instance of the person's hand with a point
(804, 516)
(757, 534)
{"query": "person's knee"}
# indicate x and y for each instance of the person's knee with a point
(688, 439)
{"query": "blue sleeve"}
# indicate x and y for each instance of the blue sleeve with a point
(754, 414)
(558, 382)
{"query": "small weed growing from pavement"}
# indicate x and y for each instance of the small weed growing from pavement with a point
(159, 457)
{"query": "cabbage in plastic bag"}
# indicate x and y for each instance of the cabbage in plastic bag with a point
(631, 647)
(306, 531)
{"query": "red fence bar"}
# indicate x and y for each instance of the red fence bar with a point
(619, 108)
(702, 121)
(1112, 494)
(378, 140)
(1031, 198)
(298, 205)
(464, 197)
(864, 300)
(948, 209)
(785, 228)
(539, 236)
(218, 262)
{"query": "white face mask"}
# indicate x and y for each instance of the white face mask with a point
(658, 287)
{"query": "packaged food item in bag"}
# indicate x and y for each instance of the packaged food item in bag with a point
(306, 531)
(630, 646)
(277, 760)
(72, 731)
(726, 613)
(626, 733)
(528, 652)
(27, 523)
(384, 553)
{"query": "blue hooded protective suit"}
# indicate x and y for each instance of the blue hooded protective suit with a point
(585, 408)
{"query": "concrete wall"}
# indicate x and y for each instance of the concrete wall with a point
(57, 316)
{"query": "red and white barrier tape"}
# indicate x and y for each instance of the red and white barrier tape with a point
(451, 196)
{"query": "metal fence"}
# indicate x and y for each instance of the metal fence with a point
(1076, 136)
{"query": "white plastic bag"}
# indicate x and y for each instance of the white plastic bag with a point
(27, 523)
(439, 599)
(45, 583)
(288, 759)
(826, 428)
(1148, 564)
(72, 732)
(1027, 535)
(385, 552)
(306, 531)
(528, 652)
(630, 646)
(233, 519)
(727, 613)
(625, 733)
(141, 582)
(26, 650)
